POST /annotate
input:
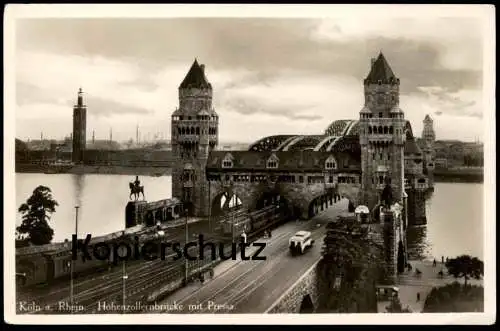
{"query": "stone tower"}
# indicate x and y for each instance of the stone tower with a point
(79, 129)
(429, 137)
(194, 135)
(428, 133)
(382, 134)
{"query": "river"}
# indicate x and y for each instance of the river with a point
(454, 213)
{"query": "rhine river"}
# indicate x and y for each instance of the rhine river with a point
(454, 212)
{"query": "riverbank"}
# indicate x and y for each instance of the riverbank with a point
(87, 169)
(463, 175)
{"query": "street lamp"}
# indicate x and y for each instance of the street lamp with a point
(71, 261)
(124, 277)
(187, 238)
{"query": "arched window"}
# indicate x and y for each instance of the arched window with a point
(330, 163)
(227, 162)
(391, 130)
(192, 130)
(386, 130)
(272, 162)
(369, 129)
(197, 130)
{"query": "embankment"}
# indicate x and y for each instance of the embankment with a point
(473, 175)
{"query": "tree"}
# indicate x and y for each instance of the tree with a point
(465, 266)
(36, 214)
(348, 268)
(455, 298)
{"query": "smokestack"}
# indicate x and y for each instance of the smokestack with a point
(373, 60)
(93, 137)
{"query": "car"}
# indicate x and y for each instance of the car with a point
(300, 242)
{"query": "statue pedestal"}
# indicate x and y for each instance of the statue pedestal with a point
(134, 213)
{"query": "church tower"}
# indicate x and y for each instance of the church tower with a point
(382, 134)
(194, 135)
(429, 137)
(428, 133)
(79, 129)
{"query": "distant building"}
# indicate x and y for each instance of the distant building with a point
(79, 129)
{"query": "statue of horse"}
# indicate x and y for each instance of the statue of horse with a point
(136, 190)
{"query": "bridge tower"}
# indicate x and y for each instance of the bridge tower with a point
(429, 137)
(194, 135)
(79, 129)
(382, 134)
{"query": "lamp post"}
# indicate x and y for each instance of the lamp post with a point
(71, 261)
(186, 274)
(232, 227)
(124, 277)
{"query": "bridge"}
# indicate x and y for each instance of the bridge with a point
(303, 181)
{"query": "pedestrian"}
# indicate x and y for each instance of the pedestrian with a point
(244, 237)
(418, 296)
(434, 263)
(442, 259)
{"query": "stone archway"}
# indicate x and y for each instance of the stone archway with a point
(225, 202)
(306, 306)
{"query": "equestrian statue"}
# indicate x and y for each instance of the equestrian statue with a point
(136, 189)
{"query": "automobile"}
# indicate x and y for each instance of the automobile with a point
(300, 242)
(387, 292)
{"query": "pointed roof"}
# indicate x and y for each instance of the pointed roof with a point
(427, 118)
(380, 70)
(195, 77)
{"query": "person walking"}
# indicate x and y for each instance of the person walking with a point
(434, 263)
(244, 237)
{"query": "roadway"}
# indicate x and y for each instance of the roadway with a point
(253, 286)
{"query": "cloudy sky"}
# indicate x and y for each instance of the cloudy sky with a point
(270, 76)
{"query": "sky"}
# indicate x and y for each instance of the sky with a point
(270, 76)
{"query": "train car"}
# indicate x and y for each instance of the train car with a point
(31, 269)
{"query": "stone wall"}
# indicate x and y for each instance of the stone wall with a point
(291, 301)
(416, 207)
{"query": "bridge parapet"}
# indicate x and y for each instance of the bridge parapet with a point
(301, 297)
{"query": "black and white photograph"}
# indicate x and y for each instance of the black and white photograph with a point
(249, 161)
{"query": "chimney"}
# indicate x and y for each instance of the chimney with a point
(373, 60)
(202, 66)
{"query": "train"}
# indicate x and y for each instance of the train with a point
(254, 222)
(46, 267)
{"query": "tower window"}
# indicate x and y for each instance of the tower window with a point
(197, 130)
(380, 114)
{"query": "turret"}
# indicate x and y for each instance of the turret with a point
(194, 136)
(382, 134)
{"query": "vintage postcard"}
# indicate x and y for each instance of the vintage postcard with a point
(251, 164)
